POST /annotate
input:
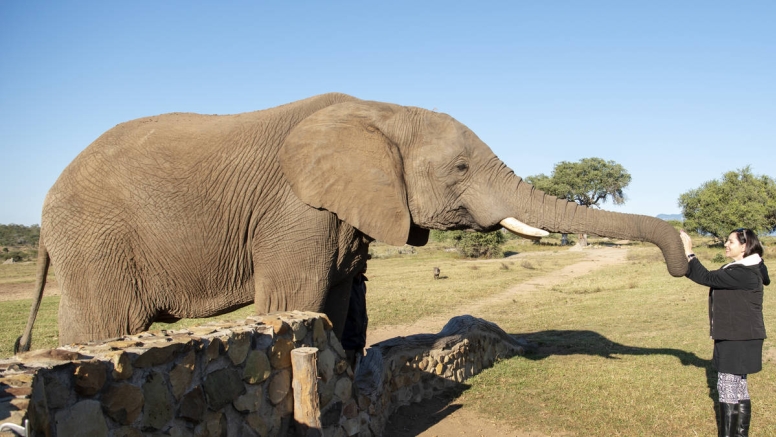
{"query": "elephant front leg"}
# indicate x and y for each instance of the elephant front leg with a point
(282, 288)
(282, 285)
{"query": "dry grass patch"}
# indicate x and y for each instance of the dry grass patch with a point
(20, 273)
(402, 290)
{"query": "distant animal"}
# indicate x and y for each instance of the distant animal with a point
(436, 272)
(187, 215)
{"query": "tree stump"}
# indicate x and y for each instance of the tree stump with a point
(307, 410)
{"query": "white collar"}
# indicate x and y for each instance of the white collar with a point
(751, 260)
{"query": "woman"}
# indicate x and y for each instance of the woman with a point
(737, 327)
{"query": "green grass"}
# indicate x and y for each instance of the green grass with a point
(15, 314)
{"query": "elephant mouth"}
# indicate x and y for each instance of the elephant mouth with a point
(517, 227)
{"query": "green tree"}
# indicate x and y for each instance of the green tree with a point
(589, 182)
(740, 199)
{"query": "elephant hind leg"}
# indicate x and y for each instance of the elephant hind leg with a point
(81, 320)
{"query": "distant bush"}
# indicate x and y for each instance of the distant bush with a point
(16, 255)
(19, 235)
(478, 244)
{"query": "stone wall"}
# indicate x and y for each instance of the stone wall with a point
(235, 379)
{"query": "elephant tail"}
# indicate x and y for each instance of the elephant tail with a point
(44, 261)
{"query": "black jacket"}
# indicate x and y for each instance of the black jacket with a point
(735, 299)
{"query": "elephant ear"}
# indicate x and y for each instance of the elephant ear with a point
(338, 159)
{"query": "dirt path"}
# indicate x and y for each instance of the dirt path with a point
(24, 290)
(442, 416)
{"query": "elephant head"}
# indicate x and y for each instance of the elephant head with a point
(394, 172)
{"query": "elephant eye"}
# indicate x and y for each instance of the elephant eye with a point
(462, 166)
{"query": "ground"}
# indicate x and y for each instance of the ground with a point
(442, 415)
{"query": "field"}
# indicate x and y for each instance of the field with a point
(622, 350)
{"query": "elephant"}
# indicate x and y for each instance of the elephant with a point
(184, 215)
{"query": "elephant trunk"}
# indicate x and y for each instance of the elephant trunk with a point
(540, 210)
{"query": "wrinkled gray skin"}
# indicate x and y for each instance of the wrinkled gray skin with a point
(187, 215)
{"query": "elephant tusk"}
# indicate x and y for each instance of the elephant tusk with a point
(519, 228)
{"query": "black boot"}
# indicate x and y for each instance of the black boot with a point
(728, 419)
(744, 415)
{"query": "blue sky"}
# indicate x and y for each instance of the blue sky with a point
(676, 92)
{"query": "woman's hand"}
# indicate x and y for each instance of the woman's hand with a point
(686, 242)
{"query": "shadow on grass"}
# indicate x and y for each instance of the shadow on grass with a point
(554, 342)
(413, 420)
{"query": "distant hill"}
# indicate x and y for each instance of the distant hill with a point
(667, 217)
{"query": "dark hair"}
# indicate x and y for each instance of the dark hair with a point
(748, 238)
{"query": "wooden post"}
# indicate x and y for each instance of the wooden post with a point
(307, 409)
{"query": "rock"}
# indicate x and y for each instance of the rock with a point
(213, 350)
(320, 340)
(123, 403)
(15, 391)
(49, 355)
(326, 392)
(285, 408)
(123, 344)
(89, 377)
(263, 337)
(179, 431)
(239, 346)
(278, 326)
(257, 423)
(192, 406)
(280, 354)
(17, 380)
(350, 410)
(341, 367)
(351, 426)
(330, 415)
(222, 387)
(251, 401)
(257, 367)
(158, 355)
(335, 343)
(298, 330)
(57, 391)
(157, 410)
(214, 425)
(202, 330)
(122, 367)
(344, 389)
(326, 364)
(82, 419)
(181, 374)
(279, 386)
(126, 431)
